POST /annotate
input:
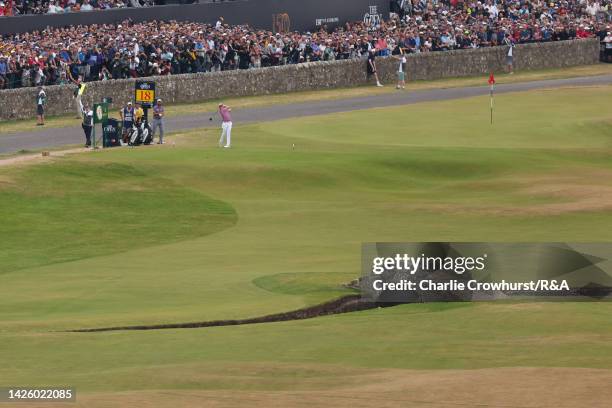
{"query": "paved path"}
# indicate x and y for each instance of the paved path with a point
(53, 137)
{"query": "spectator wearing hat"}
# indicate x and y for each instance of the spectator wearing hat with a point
(158, 121)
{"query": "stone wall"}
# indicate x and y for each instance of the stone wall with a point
(20, 103)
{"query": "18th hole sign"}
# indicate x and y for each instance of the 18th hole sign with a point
(144, 93)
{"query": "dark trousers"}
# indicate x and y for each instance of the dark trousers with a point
(87, 130)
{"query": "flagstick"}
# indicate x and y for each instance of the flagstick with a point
(491, 103)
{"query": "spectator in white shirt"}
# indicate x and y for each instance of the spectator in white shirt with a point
(593, 8)
(86, 6)
(492, 9)
(53, 9)
(608, 40)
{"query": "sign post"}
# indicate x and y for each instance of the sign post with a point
(110, 133)
(100, 115)
(144, 93)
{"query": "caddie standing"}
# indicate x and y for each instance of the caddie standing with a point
(127, 118)
(158, 121)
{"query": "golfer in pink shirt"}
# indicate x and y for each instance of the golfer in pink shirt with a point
(226, 116)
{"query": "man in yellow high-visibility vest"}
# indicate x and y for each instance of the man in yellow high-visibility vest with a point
(138, 117)
(138, 114)
(78, 94)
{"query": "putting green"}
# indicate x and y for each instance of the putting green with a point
(190, 232)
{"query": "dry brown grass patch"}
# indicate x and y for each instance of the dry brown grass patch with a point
(494, 387)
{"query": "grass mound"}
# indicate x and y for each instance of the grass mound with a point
(75, 210)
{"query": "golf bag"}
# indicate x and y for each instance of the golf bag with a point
(140, 134)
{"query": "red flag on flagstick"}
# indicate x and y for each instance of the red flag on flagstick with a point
(491, 79)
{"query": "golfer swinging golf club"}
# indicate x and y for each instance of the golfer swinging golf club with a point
(226, 126)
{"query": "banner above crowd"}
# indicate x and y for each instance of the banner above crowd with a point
(275, 15)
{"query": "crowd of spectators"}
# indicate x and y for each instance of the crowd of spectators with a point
(102, 52)
(19, 7)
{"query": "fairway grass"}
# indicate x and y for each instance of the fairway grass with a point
(15, 126)
(189, 232)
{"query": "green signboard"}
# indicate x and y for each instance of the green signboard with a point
(100, 111)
